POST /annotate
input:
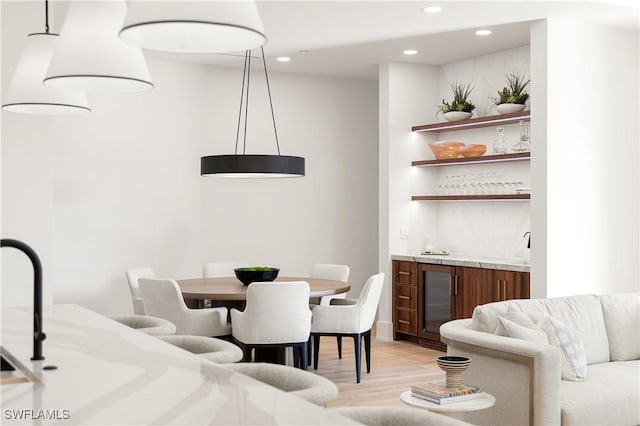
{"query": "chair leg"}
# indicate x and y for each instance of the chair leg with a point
(304, 355)
(246, 353)
(296, 356)
(367, 350)
(339, 341)
(309, 350)
(357, 344)
(316, 351)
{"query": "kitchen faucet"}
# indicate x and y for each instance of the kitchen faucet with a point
(38, 334)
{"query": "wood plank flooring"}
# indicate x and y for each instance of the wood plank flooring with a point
(395, 366)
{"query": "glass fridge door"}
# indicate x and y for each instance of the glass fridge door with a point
(437, 300)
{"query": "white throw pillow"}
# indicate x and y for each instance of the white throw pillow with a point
(517, 331)
(569, 341)
(516, 316)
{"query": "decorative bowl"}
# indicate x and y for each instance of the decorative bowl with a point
(509, 108)
(445, 150)
(256, 274)
(473, 150)
(456, 115)
(453, 367)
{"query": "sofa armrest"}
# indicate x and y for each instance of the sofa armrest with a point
(524, 376)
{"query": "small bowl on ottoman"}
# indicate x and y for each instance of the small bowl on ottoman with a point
(256, 274)
(453, 366)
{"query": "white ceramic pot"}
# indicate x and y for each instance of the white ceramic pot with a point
(509, 108)
(456, 115)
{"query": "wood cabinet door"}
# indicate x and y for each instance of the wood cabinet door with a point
(512, 285)
(473, 287)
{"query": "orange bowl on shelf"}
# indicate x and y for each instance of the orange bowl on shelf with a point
(473, 150)
(445, 150)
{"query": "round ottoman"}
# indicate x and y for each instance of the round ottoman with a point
(147, 324)
(216, 350)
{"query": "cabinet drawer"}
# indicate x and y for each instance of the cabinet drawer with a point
(406, 321)
(405, 273)
(406, 297)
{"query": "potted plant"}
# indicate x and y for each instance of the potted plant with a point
(460, 108)
(512, 97)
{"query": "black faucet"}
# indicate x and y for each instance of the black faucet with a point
(38, 334)
(528, 239)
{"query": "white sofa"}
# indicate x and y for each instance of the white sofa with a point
(525, 375)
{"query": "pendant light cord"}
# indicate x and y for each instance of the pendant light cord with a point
(46, 16)
(244, 76)
(246, 106)
(273, 117)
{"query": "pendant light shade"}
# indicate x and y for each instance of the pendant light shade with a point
(242, 165)
(27, 93)
(193, 26)
(91, 57)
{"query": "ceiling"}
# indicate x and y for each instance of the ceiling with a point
(350, 38)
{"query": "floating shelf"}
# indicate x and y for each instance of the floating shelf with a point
(470, 197)
(474, 123)
(517, 156)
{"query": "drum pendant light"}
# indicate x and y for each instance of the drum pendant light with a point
(193, 26)
(27, 93)
(246, 165)
(91, 57)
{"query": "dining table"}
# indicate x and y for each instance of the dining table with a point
(231, 289)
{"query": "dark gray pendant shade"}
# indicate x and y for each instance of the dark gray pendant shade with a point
(241, 165)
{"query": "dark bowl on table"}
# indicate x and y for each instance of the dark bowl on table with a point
(249, 275)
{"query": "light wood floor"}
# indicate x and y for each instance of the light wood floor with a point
(395, 366)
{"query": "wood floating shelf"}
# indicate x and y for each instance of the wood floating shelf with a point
(517, 156)
(474, 123)
(471, 197)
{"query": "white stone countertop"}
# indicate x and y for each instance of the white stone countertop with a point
(109, 374)
(469, 261)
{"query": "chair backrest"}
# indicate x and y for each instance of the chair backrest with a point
(217, 269)
(162, 298)
(369, 299)
(330, 272)
(133, 275)
(278, 311)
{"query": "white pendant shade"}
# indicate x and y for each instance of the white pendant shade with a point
(193, 26)
(91, 57)
(27, 93)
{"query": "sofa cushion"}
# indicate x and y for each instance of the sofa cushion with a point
(584, 313)
(609, 396)
(621, 319)
(569, 341)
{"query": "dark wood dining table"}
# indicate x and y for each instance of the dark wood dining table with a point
(230, 288)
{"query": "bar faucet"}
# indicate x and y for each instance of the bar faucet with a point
(527, 235)
(38, 334)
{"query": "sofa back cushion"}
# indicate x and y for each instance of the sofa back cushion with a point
(622, 319)
(584, 313)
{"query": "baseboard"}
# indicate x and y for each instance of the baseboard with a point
(384, 331)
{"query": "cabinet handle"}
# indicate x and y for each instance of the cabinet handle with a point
(403, 322)
(450, 285)
(455, 285)
(498, 290)
(404, 273)
(404, 297)
(504, 289)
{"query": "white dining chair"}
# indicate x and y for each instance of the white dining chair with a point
(330, 271)
(163, 299)
(133, 275)
(353, 319)
(276, 315)
(219, 269)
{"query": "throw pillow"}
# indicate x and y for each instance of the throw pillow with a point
(525, 333)
(516, 316)
(569, 341)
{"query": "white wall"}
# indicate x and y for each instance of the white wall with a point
(120, 187)
(592, 156)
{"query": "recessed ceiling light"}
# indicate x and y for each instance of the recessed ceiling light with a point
(284, 59)
(432, 9)
(410, 52)
(483, 32)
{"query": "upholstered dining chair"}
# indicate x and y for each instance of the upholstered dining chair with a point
(276, 315)
(163, 299)
(133, 275)
(353, 319)
(329, 271)
(218, 269)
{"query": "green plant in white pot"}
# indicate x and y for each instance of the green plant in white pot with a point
(460, 108)
(512, 97)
